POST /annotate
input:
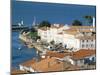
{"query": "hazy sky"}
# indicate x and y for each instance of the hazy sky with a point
(54, 13)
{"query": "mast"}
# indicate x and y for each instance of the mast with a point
(34, 21)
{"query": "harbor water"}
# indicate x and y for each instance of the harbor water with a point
(20, 52)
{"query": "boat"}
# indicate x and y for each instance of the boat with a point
(19, 48)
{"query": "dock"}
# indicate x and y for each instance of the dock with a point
(18, 28)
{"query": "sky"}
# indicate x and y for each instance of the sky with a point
(52, 12)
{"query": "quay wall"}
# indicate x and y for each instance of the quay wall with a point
(30, 44)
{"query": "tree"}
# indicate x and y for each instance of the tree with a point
(77, 23)
(44, 24)
(89, 19)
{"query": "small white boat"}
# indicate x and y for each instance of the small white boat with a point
(19, 48)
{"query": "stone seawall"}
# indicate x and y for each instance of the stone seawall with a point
(30, 44)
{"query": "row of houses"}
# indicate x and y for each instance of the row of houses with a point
(54, 61)
(76, 37)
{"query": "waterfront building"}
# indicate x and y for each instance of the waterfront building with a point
(72, 37)
(49, 34)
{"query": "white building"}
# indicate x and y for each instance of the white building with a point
(76, 37)
(83, 57)
(49, 34)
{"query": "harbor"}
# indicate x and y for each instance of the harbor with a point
(20, 55)
(19, 28)
(34, 51)
(57, 39)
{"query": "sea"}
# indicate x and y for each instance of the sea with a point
(20, 53)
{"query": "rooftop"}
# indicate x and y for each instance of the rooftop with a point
(78, 27)
(15, 72)
(28, 63)
(57, 26)
(52, 64)
(52, 26)
(56, 54)
(86, 30)
(83, 53)
(86, 37)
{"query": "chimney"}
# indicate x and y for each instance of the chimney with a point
(93, 21)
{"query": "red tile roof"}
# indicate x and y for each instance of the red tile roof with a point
(56, 54)
(16, 72)
(83, 53)
(28, 63)
(52, 64)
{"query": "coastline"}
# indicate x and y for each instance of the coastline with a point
(46, 57)
(30, 44)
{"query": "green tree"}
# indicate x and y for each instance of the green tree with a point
(44, 24)
(77, 23)
(33, 34)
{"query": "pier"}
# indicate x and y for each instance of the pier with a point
(18, 28)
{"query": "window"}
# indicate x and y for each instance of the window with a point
(86, 45)
(87, 40)
(82, 45)
(92, 45)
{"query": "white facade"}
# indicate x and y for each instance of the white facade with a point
(88, 44)
(68, 40)
(50, 34)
